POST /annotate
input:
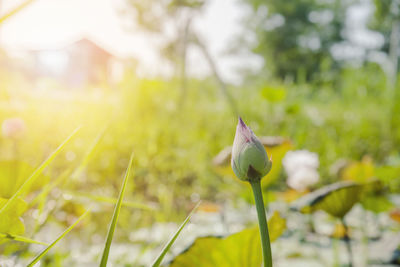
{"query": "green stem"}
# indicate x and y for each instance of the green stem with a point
(262, 221)
(348, 242)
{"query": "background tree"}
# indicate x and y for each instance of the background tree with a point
(171, 20)
(295, 37)
(386, 20)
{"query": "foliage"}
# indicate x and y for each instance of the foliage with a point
(10, 221)
(336, 199)
(114, 219)
(175, 147)
(240, 249)
(19, 170)
(386, 12)
(159, 17)
(167, 247)
(359, 172)
(310, 101)
(295, 38)
(43, 253)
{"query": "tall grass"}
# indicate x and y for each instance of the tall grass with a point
(113, 224)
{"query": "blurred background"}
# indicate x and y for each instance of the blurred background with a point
(316, 80)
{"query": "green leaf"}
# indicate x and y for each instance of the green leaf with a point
(10, 221)
(21, 239)
(376, 203)
(375, 197)
(359, 172)
(276, 151)
(164, 251)
(44, 252)
(274, 94)
(242, 249)
(336, 199)
(276, 226)
(22, 189)
(390, 176)
(114, 220)
(13, 174)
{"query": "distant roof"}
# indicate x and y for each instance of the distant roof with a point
(74, 42)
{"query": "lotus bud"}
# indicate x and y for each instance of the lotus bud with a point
(249, 159)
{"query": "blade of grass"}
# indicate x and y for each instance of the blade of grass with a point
(164, 251)
(41, 199)
(42, 196)
(16, 10)
(36, 173)
(70, 173)
(114, 220)
(21, 239)
(88, 154)
(73, 174)
(43, 253)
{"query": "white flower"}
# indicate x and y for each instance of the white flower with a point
(13, 127)
(303, 178)
(301, 167)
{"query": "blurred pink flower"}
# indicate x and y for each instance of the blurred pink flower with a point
(13, 128)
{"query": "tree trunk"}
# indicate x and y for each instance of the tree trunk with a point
(217, 76)
(394, 55)
(182, 71)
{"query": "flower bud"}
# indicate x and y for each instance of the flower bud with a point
(249, 159)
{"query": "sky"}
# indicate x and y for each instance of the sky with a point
(55, 23)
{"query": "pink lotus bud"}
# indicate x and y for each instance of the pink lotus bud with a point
(249, 159)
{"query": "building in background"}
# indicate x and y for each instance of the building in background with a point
(80, 63)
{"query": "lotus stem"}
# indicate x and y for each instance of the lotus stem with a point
(262, 221)
(348, 242)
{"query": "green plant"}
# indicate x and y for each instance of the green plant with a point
(250, 163)
(241, 249)
(11, 209)
(337, 200)
(44, 252)
(114, 220)
(164, 251)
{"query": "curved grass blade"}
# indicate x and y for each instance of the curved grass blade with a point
(73, 174)
(159, 259)
(41, 254)
(89, 153)
(21, 239)
(114, 220)
(36, 173)
(16, 10)
(61, 179)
